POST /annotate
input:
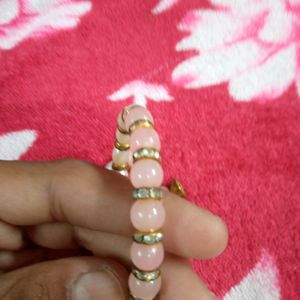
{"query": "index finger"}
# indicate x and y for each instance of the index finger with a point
(84, 195)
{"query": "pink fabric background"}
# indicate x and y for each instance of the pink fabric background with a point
(240, 159)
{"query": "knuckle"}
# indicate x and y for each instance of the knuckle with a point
(76, 169)
(68, 176)
(73, 164)
(81, 173)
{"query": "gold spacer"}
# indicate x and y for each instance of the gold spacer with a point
(123, 131)
(146, 153)
(121, 147)
(146, 276)
(177, 188)
(140, 124)
(120, 167)
(148, 238)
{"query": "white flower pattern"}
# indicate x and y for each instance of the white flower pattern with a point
(253, 45)
(14, 144)
(140, 91)
(22, 19)
(163, 5)
(261, 283)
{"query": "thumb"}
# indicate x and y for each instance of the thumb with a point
(78, 278)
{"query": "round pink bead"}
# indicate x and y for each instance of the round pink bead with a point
(137, 113)
(147, 215)
(122, 138)
(128, 108)
(121, 123)
(146, 173)
(144, 290)
(130, 158)
(146, 257)
(144, 138)
(120, 157)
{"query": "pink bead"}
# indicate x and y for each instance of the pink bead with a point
(144, 138)
(137, 113)
(130, 158)
(122, 138)
(146, 173)
(121, 123)
(147, 215)
(120, 157)
(144, 290)
(146, 257)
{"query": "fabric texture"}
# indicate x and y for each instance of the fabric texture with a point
(222, 80)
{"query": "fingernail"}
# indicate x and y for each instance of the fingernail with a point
(102, 284)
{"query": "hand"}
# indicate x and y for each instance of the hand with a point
(65, 233)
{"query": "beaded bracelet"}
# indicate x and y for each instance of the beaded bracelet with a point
(137, 152)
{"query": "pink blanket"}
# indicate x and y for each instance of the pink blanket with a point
(222, 79)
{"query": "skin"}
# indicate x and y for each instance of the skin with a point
(61, 219)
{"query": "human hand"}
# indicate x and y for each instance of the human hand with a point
(52, 213)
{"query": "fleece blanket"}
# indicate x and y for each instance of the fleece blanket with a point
(222, 79)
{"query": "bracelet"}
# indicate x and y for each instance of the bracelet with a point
(136, 154)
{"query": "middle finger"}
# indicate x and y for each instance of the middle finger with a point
(81, 194)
